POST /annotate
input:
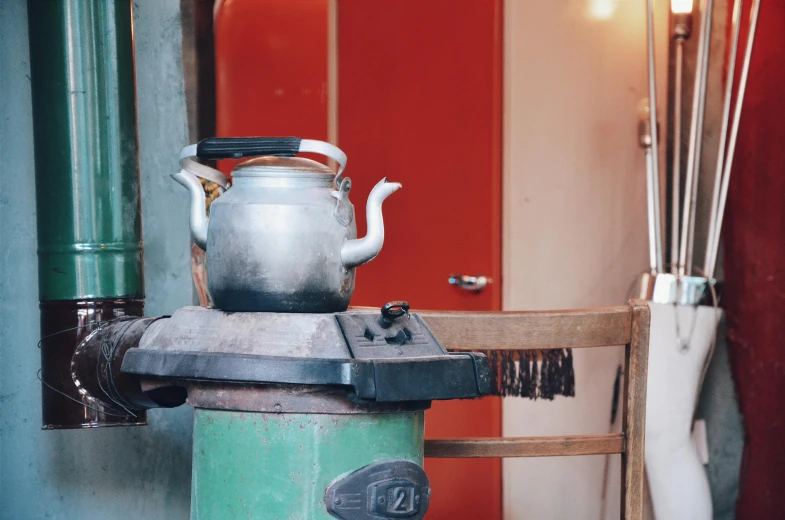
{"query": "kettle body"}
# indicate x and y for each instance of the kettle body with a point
(283, 237)
(274, 243)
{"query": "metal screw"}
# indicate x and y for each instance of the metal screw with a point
(338, 501)
(381, 500)
(278, 408)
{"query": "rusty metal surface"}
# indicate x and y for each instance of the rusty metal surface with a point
(260, 362)
(273, 334)
(289, 399)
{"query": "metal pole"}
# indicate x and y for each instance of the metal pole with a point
(715, 196)
(655, 182)
(655, 268)
(694, 151)
(87, 190)
(678, 88)
(87, 173)
(715, 240)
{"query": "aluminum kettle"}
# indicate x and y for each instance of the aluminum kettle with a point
(282, 238)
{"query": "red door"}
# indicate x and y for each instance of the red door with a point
(419, 102)
(271, 69)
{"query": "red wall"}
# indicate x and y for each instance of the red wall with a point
(271, 69)
(754, 251)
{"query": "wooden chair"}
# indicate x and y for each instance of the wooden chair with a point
(585, 328)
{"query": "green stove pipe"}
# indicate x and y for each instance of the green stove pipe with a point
(87, 180)
(268, 465)
(87, 190)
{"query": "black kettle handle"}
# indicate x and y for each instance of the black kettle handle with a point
(213, 148)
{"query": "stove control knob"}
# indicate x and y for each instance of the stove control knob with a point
(392, 311)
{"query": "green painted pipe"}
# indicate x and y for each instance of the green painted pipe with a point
(267, 465)
(87, 172)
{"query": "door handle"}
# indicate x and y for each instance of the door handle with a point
(469, 283)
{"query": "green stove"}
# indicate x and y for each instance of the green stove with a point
(297, 415)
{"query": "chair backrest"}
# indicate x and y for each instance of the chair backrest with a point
(583, 328)
(531, 329)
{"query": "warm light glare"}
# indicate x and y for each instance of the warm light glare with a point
(681, 6)
(602, 9)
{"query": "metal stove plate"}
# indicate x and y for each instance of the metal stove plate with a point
(407, 336)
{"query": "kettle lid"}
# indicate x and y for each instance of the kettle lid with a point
(274, 166)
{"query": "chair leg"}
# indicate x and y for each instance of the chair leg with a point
(636, 358)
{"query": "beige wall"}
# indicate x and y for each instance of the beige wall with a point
(574, 215)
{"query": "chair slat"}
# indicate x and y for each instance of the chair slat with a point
(525, 446)
(530, 330)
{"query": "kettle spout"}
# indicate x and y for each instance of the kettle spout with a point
(362, 250)
(198, 210)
